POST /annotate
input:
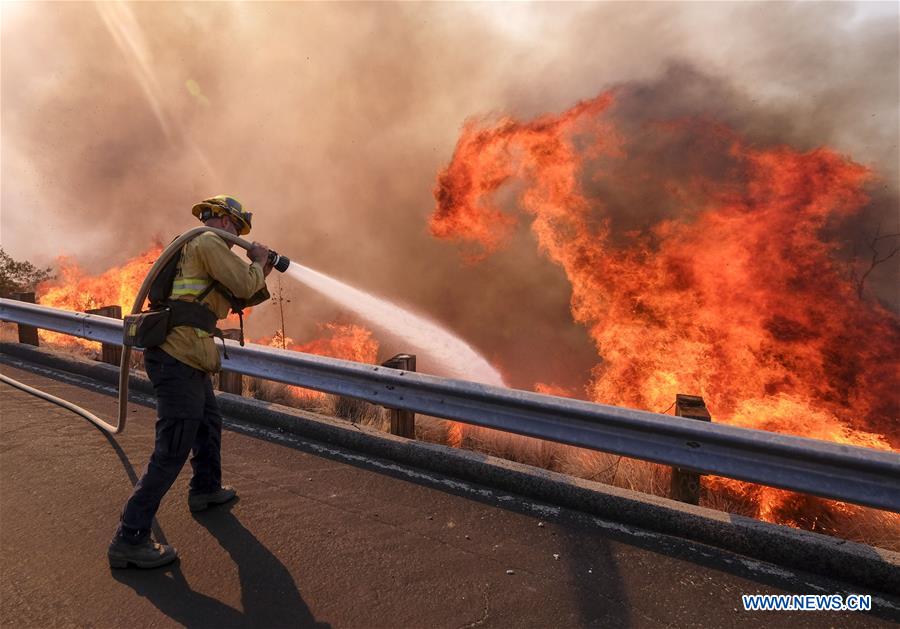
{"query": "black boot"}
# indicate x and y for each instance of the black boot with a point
(201, 501)
(147, 554)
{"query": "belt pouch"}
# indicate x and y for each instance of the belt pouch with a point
(146, 329)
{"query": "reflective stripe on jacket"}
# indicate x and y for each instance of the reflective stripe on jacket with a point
(189, 286)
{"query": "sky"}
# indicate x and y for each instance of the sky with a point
(332, 120)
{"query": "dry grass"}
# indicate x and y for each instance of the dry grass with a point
(868, 526)
(354, 410)
(270, 391)
(431, 429)
(511, 447)
(729, 502)
(616, 470)
(357, 411)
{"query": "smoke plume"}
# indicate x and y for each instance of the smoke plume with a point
(332, 121)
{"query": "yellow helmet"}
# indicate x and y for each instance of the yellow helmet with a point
(224, 205)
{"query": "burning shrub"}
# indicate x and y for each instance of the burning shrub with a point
(699, 262)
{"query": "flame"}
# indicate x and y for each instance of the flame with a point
(792, 415)
(347, 341)
(728, 289)
(549, 388)
(75, 290)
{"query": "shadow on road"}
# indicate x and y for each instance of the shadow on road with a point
(168, 590)
(269, 595)
(596, 580)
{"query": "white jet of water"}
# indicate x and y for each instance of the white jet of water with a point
(455, 357)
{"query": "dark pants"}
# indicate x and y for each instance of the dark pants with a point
(189, 421)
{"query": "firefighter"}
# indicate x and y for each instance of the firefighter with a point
(209, 277)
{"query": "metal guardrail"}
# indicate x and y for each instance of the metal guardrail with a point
(842, 472)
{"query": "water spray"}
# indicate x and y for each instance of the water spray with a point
(456, 357)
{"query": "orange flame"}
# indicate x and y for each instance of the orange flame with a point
(553, 389)
(75, 290)
(735, 295)
(339, 340)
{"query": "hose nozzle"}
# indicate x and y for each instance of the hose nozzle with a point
(279, 262)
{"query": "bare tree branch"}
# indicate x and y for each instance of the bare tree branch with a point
(876, 259)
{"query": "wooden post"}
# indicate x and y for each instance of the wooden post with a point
(230, 381)
(110, 354)
(686, 483)
(403, 422)
(27, 334)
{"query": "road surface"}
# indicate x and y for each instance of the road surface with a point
(324, 537)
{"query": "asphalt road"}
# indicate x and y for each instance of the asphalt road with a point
(324, 537)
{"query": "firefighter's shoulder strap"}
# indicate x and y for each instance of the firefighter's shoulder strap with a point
(181, 313)
(161, 288)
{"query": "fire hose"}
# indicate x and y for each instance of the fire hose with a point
(279, 262)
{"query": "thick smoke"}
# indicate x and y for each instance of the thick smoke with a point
(332, 121)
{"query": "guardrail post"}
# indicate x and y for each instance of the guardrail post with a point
(686, 483)
(27, 333)
(231, 381)
(111, 354)
(403, 422)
